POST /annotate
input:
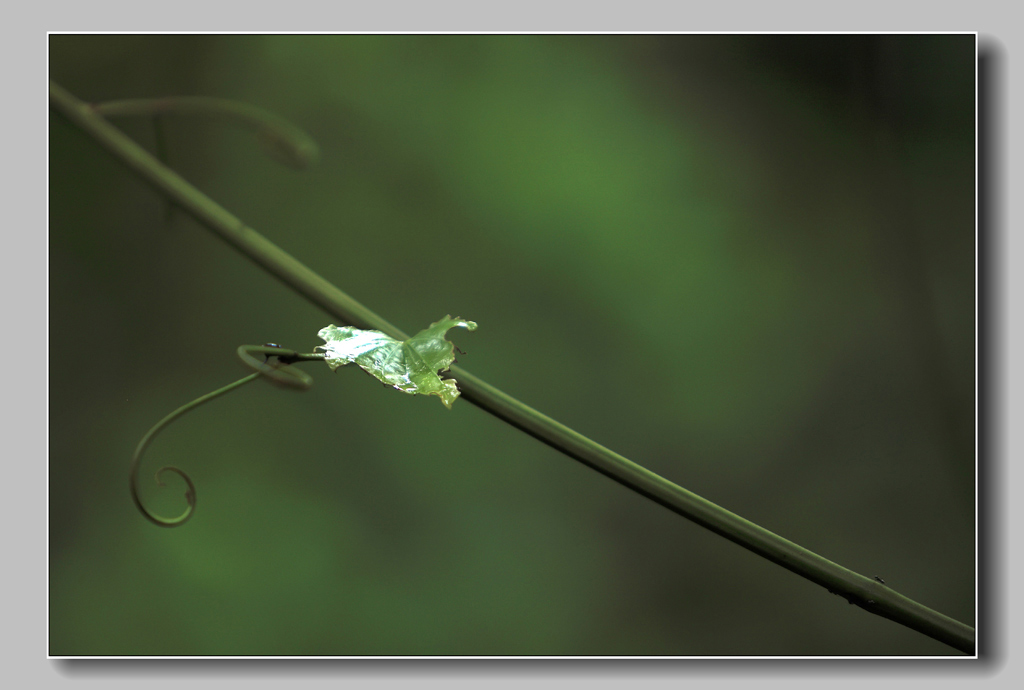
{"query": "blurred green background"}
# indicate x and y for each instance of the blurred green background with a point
(745, 262)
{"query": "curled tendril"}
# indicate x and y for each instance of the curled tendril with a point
(280, 373)
(282, 140)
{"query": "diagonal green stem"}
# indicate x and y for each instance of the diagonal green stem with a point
(869, 594)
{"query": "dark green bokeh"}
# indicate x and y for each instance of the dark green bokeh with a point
(745, 262)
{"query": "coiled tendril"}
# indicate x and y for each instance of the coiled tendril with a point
(280, 372)
(282, 140)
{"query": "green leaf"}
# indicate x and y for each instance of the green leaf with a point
(411, 366)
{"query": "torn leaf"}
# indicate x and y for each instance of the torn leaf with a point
(411, 366)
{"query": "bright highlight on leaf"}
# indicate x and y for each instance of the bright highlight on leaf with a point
(411, 366)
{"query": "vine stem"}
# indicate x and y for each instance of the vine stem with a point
(869, 594)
